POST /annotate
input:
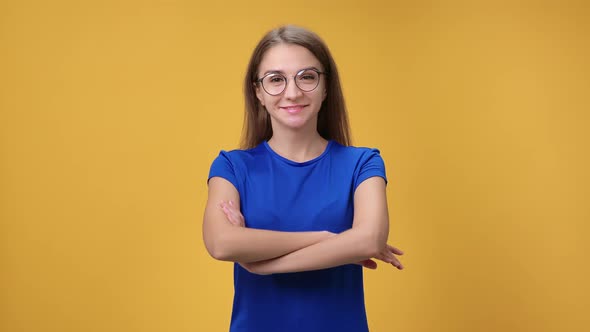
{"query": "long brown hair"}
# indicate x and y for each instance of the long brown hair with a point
(332, 118)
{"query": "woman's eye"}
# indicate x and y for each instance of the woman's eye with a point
(276, 79)
(308, 76)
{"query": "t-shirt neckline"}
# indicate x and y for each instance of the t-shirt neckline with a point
(295, 163)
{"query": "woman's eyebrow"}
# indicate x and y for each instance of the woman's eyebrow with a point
(275, 71)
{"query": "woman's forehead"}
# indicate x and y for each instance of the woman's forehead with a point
(288, 58)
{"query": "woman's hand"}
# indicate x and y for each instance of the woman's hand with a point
(368, 263)
(388, 255)
(233, 215)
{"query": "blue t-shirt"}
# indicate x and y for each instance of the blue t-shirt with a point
(282, 195)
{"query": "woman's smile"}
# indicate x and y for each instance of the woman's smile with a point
(293, 109)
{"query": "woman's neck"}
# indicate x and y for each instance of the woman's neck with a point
(298, 147)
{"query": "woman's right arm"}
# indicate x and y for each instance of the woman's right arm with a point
(227, 242)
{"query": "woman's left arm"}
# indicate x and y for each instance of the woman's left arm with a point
(366, 239)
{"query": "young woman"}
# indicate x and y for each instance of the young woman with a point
(298, 210)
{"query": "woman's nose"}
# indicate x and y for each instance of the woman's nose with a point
(292, 91)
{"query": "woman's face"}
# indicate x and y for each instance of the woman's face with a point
(293, 108)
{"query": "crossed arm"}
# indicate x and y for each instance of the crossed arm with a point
(266, 252)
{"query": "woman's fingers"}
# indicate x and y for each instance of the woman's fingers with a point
(388, 256)
(395, 250)
(392, 251)
(232, 214)
(228, 214)
(383, 257)
(397, 264)
(237, 215)
(368, 263)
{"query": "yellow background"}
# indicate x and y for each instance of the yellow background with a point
(112, 111)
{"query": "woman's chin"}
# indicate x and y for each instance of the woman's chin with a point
(296, 124)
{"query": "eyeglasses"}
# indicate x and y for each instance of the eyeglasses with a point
(306, 80)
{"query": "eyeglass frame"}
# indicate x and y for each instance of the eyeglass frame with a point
(320, 73)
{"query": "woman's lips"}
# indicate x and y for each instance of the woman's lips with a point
(293, 108)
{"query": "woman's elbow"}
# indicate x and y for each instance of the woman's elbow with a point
(217, 253)
(217, 248)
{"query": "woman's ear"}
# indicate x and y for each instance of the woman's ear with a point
(259, 94)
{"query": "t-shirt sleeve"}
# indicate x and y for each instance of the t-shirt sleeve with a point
(223, 167)
(371, 164)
